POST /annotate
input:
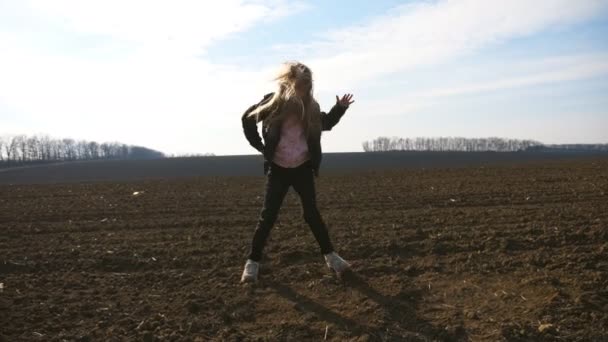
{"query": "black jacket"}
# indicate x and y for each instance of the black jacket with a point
(272, 133)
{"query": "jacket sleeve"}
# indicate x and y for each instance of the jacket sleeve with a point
(329, 120)
(250, 127)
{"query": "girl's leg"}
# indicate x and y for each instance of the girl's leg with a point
(304, 184)
(277, 186)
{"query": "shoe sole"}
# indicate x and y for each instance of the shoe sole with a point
(345, 271)
(248, 280)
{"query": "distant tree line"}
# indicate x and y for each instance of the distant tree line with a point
(448, 144)
(23, 149)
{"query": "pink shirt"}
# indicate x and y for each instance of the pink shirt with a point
(292, 149)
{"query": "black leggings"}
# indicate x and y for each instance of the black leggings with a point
(278, 181)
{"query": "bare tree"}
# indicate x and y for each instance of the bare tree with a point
(69, 149)
(56, 150)
(12, 149)
(82, 150)
(45, 147)
(33, 148)
(2, 148)
(93, 150)
(21, 147)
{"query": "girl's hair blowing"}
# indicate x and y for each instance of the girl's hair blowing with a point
(292, 77)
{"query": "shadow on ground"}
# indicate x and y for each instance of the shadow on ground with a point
(399, 319)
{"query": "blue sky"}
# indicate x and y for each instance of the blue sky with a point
(176, 76)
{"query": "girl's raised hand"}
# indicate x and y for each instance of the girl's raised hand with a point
(345, 101)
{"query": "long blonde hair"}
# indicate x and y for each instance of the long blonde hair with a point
(285, 99)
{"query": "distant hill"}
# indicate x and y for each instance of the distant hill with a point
(570, 148)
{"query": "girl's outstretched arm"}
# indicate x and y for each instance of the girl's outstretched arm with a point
(329, 120)
(250, 127)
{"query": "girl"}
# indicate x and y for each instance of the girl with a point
(291, 127)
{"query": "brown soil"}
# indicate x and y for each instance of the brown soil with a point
(515, 253)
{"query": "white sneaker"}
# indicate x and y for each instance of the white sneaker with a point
(336, 263)
(250, 273)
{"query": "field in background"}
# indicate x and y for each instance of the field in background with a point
(252, 165)
(515, 251)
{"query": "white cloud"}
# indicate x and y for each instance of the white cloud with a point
(184, 24)
(519, 74)
(577, 69)
(434, 32)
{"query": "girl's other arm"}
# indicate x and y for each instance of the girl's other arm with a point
(250, 127)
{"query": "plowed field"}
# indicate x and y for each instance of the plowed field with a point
(515, 252)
